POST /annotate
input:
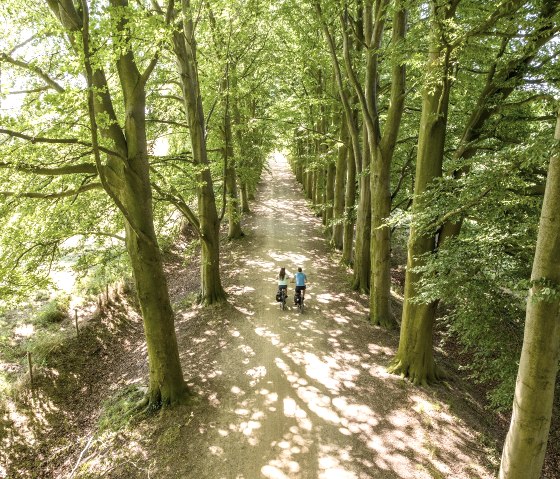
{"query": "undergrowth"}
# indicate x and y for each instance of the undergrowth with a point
(120, 409)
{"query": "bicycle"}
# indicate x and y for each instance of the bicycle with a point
(281, 297)
(299, 300)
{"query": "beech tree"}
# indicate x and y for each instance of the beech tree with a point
(121, 162)
(525, 445)
(415, 357)
(207, 223)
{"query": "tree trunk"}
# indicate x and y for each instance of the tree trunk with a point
(525, 445)
(349, 202)
(309, 182)
(337, 237)
(380, 295)
(230, 180)
(245, 207)
(242, 178)
(414, 357)
(356, 154)
(185, 52)
(128, 184)
(329, 197)
(362, 258)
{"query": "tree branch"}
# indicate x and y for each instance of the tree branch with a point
(52, 196)
(87, 168)
(65, 141)
(34, 69)
(100, 233)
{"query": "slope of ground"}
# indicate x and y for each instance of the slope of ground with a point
(279, 394)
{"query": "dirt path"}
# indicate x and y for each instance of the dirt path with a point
(305, 396)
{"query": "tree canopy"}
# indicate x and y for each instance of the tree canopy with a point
(421, 132)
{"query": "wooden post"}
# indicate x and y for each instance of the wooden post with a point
(76, 323)
(30, 368)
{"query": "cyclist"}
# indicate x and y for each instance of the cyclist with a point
(300, 279)
(283, 282)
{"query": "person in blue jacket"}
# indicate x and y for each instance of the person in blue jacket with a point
(300, 279)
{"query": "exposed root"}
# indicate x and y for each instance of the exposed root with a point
(384, 322)
(419, 375)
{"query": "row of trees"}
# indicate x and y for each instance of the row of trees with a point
(108, 128)
(360, 91)
(468, 91)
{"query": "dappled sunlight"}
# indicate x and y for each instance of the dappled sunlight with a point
(380, 349)
(239, 290)
(283, 394)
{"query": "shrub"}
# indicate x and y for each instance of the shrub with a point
(54, 311)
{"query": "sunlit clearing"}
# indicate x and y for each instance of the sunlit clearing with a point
(248, 427)
(359, 413)
(256, 373)
(340, 319)
(399, 418)
(216, 450)
(334, 472)
(279, 156)
(319, 404)
(321, 371)
(376, 349)
(422, 405)
(271, 398)
(239, 291)
(64, 280)
(290, 258)
(245, 311)
(290, 407)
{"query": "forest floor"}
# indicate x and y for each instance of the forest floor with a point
(278, 394)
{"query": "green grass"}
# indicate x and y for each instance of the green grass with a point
(118, 411)
(54, 311)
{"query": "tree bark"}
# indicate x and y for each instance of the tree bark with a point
(525, 445)
(184, 44)
(414, 357)
(127, 181)
(349, 202)
(230, 180)
(380, 295)
(362, 256)
(337, 237)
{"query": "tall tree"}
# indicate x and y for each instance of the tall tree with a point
(208, 224)
(525, 445)
(504, 75)
(124, 170)
(414, 357)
